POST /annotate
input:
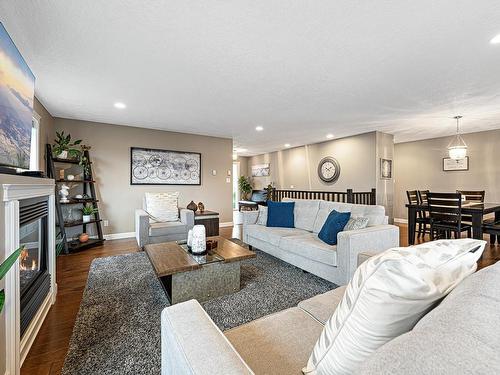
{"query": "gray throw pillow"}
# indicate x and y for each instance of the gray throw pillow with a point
(356, 223)
(262, 218)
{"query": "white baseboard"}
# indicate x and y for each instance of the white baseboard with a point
(119, 236)
(401, 221)
(227, 224)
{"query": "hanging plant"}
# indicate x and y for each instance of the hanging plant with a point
(84, 162)
(4, 268)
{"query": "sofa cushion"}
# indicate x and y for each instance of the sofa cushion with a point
(357, 223)
(308, 245)
(280, 214)
(162, 207)
(277, 344)
(262, 218)
(375, 214)
(305, 212)
(167, 228)
(460, 336)
(270, 234)
(322, 306)
(335, 223)
(386, 297)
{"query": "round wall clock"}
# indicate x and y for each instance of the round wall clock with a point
(329, 170)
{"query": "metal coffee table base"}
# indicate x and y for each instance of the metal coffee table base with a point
(210, 281)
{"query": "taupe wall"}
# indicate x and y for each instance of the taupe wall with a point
(110, 154)
(47, 133)
(297, 166)
(418, 165)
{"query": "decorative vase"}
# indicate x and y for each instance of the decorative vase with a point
(201, 206)
(192, 206)
(199, 245)
(84, 237)
(86, 218)
(190, 238)
(63, 154)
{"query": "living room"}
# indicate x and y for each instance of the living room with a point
(254, 188)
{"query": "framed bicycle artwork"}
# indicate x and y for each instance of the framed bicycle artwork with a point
(150, 166)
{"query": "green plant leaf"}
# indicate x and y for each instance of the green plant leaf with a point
(2, 299)
(5, 266)
(77, 142)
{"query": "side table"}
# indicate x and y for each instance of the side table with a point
(210, 219)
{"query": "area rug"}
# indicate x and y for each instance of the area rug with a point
(117, 330)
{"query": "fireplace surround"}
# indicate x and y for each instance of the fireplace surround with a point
(27, 217)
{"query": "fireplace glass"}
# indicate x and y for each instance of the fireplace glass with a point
(32, 261)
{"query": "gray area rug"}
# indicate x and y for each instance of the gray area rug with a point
(117, 330)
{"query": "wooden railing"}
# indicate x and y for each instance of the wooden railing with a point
(349, 196)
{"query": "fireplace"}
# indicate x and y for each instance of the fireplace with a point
(34, 277)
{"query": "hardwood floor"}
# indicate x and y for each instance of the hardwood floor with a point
(49, 349)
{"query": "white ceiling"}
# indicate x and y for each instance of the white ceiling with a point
(300, 69)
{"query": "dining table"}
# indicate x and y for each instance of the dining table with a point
(473, 208)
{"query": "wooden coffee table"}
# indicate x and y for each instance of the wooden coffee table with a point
(185, 276)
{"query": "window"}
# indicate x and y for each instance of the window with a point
(35, 143)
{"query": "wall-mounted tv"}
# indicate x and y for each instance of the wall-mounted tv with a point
(17, 91)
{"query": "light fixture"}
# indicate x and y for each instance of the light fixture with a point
(495, 39)
(457, 149)
(259, 128)
(120, 105)
(329, 136)
(287, 145)
(240, 150)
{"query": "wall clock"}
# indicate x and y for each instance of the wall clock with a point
(329, 170)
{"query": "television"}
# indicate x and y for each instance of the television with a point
(17, 91)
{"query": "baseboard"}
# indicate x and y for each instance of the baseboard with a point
(119, 236)
(401, 221)
(226, 224)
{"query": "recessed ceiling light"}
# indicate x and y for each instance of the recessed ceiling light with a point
(240, 150)
(120, 105)
(287, 144)
(259, 128)
(495, 40)
(329, 136)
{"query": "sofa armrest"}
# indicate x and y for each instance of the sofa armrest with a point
(192, 344)
(141, 227)
(187, 217)
(250, 217)
(373, 239)
(364, 256)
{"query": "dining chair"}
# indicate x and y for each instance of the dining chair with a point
(425, 219)
(422, 219)
(445, 212)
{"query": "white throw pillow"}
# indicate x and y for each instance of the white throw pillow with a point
(262, 218)
(163, 207)
(356, 223)
(387, 296)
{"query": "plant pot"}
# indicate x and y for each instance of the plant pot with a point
(86, 218)
(63, 155)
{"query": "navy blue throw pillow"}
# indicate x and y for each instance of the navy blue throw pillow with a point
(280, 214)
(335, 223)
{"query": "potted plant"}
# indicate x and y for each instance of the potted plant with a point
(4, 268)
(245, 187)
(64, 148)
(88, 210)
(84, 162)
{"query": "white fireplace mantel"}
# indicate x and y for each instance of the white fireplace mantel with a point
(11, 345)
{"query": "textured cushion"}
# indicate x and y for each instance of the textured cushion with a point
(460, 336)
(162, 207)
(276, 344)
(386, 297)
(270, 234)
(262, 218)
(280, 214)
(167, 228)
(356, 223)
(322, 306)
(308, 245)
(335, 223)
(305, 212)
(375, 214)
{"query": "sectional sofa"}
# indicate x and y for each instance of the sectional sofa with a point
(301, 246)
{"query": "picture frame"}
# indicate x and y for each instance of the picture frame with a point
(453, 165)
(149, 166)
(385, 169)
(261, 170)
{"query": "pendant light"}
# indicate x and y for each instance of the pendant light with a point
(457, 149)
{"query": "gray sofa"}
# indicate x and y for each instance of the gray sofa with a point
(147, 231)
(301, 246)
(460, 336)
